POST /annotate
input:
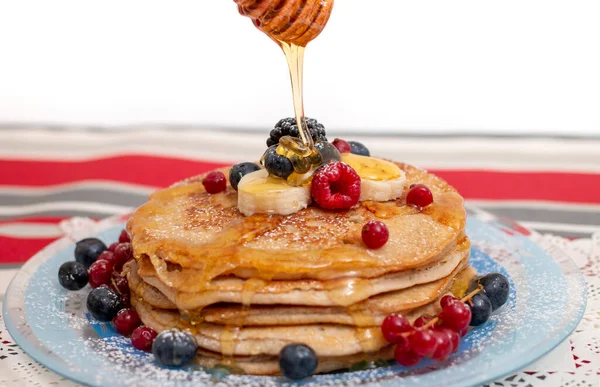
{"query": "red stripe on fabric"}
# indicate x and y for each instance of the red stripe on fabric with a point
(502, 185)
(18, 250)
(135, 169)
(163, 171)
(44, 220)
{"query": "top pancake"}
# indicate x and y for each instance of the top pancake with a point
(184, 227)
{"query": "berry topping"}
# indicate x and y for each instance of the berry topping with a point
(112, 247)
(99, 273)
(407, 358)
(289, 127)
(393, 326)
(103, 303)
(123, 253)
(126, 300)
(423, 320)
(87, 251)
(496, 288)
(375, 234)
(423, 342)
(481, 309)
(342, 145)
(336, 186)
(126, 321)
(297, 361)
(240, 170)
(215, 182)
(124, 237)
(120, 283)
(72, 275)
(454, 338)
(277, 164)
(443, 347)
(359, 149)
(142, 338)
(419, 196)
(446, 300)
(328, 152)
(109, 257)
(456, 316)
(174, 348)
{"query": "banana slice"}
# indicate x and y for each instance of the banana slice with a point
(260, 193)
(381, 180)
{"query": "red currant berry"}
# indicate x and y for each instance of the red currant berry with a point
(112, 247)
(124, 237)
(423, 320)
(126, 321)
(423, 342)
(336, 186)
(120, 282)
(407, 358)
(99, 273)
(443, 347)
(419, 196)
(126, 300)
(342, 145)
(454, 338)
(215, 182)
(123, 253)
(109, 257)
(393, 326)
(456, 316)
(375, 234)
(447, 300)
(142, 338)
(463, 332)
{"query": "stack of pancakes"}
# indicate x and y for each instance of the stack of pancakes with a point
(247, 286)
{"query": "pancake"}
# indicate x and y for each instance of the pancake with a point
(188, 228)
(369, 312)
(325, 339)
(302, 292)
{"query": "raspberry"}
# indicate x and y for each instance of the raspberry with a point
(336, 186)
(288, 127)
(215, 182)
(342, 145)
(375, 234)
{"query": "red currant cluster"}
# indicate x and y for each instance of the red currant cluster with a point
(432, 337)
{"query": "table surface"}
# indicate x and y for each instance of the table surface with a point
(48, 175)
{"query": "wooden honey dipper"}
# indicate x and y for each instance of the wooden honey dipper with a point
(290, 21)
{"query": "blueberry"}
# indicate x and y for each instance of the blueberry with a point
(481, 309)
(297, 361)
(358, 148)
(104, 303)
(240, 170)
(72, 275)
(276, 164)
(328, 152)
(174, 348)
(87, 251)
(496, 288)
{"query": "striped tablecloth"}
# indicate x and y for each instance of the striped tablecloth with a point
(48, 175)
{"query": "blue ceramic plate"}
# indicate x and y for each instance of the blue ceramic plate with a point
(547, 300)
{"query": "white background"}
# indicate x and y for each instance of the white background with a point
(511, 66)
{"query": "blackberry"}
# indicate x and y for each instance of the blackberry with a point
(288, 127)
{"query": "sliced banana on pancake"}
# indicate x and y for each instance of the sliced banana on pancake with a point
(260, 193)
(381, 180)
